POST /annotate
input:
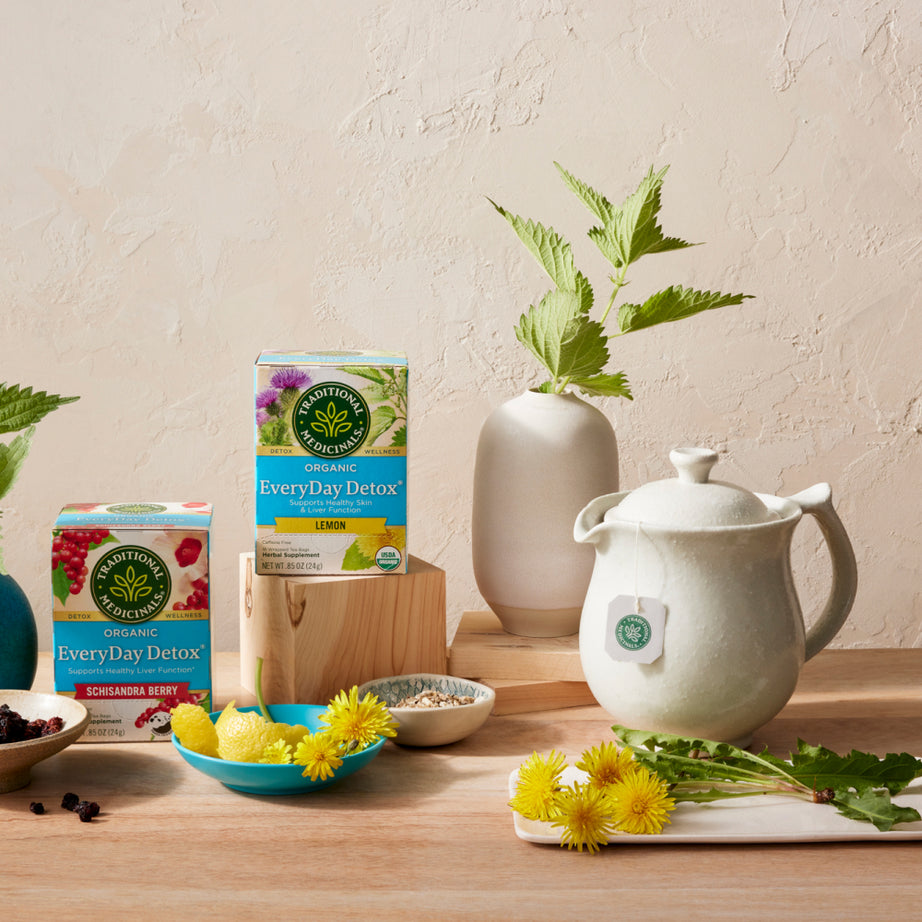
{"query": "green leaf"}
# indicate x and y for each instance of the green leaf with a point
(875, 807)
(547, 246)
(594, 201)
(381, 419)
(12, 457)
(376, 393)
(562, 337)
(862, 782)
(354, 559)
(632, 231)
(583, 291)
(399, 437)
(20, 408)
(60, 584)
(604, 385)
(673, 303)
(368, 372)
(678, 758)
(620, 251)
(821, 768)
(274, 432)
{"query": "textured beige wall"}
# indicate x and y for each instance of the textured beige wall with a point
(184, 183)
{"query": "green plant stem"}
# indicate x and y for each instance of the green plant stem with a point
(259, 691)
(700, 791)
(618, 282)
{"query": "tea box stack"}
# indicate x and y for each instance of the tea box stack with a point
(330, 597)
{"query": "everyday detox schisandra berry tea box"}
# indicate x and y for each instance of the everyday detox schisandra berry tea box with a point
(132, 624)
(331, 463)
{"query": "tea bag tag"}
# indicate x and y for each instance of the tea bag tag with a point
(635, 629)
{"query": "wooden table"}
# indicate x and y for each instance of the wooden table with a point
(426, 834)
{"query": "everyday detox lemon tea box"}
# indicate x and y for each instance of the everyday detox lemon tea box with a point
(131, 609)
(331, 463)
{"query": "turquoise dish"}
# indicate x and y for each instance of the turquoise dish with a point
(255, 778)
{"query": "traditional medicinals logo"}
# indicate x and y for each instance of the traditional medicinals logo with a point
(633, 632)
(130, 584)
(331, 420)
(136, 508)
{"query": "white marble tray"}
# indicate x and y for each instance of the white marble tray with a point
(764, 819)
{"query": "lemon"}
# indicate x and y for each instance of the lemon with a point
(222, 717)
(293, 734)
(243, 735)
(194, 728)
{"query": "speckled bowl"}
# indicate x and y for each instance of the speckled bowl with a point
(255, 778)
(17, 759)
(432, 726)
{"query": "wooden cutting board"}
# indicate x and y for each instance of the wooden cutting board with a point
(528, 673)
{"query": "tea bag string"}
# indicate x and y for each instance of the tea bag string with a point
(636, 566)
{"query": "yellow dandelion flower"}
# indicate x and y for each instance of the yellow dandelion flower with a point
(584, 818)
(357, 724)
(606, 764)
(277, 753)
(538, 785)
(640, 804)
(369, 545)
(319, 754)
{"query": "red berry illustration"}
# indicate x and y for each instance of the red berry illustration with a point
(188, 551)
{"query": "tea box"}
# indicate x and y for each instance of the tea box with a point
(131, 613)
(331, 463)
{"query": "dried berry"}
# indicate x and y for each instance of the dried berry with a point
(12, 725)
(86, 810)
(14, 728)
(37, 807)
(69, 801)
(34, 729)
(53, 725)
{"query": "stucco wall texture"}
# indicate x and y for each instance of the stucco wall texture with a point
(185, 183)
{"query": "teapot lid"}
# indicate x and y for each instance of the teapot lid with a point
(691, 500)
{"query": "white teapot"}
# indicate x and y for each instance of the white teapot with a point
(691, 624)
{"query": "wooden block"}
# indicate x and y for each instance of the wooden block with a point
(482, 648)
(318, 635)
(523, 697)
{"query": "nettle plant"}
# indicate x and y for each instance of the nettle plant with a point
(560, 331)
(20, 410)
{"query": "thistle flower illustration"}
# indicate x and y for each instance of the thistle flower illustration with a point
(265, 399)
(289, 377)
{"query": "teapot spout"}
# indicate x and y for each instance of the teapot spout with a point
(590, 523)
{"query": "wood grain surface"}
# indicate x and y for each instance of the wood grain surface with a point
(427, 834)
(320, 634)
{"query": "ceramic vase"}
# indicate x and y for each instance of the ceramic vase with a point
(18, 637)
(540, 459)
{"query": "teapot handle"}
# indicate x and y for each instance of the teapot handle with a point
(817, 501)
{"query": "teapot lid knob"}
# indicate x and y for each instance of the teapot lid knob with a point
(693, 464)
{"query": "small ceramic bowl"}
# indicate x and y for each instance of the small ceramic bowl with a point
(256, 778)
(17, 759)
(432, 726)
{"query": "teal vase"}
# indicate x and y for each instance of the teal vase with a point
(18, 637)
